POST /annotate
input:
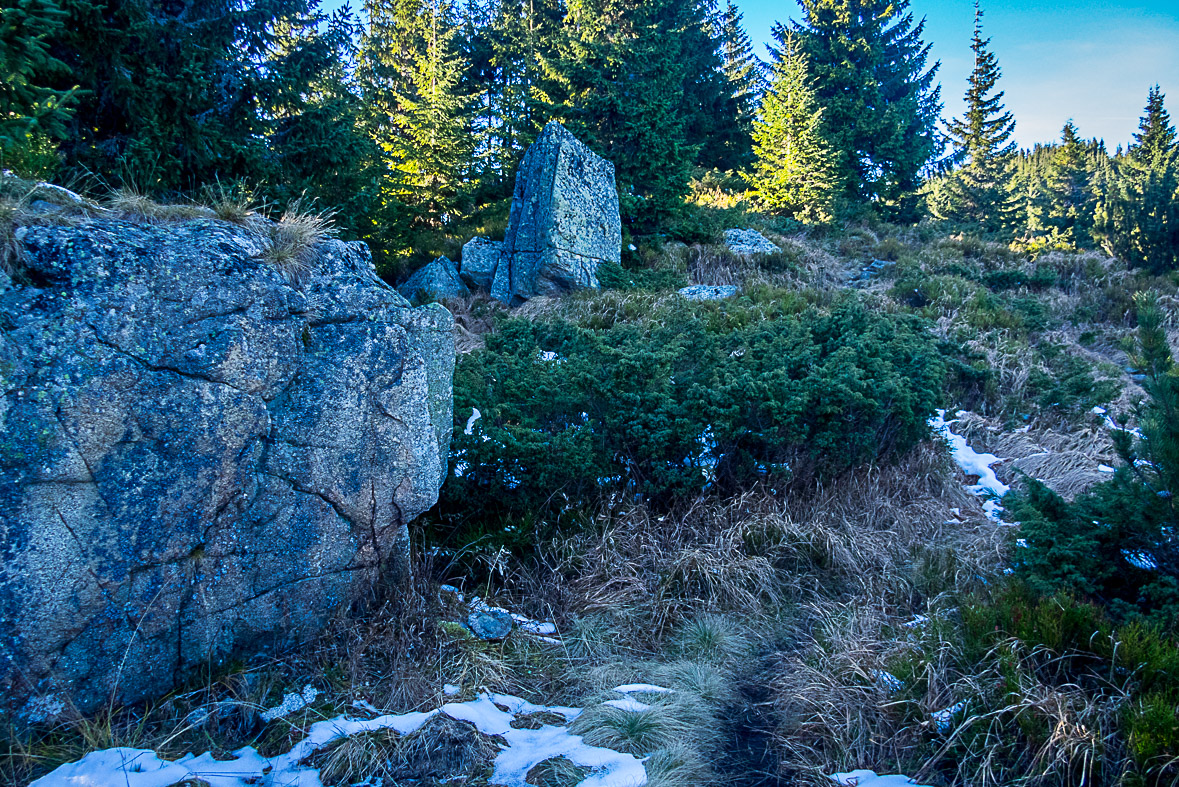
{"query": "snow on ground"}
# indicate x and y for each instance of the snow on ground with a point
(492, 714)
(945, 718)
(870, 779)
(291, 702)
(641, 688)
(989, 487)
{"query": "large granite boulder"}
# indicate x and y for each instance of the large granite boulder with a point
(480, 259)
(564, 220)
(437, 281)
(199, 455)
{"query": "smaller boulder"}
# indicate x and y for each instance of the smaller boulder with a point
(481, 258)
(749, 242)
(437, 281)
(708, 292)
(490, 623)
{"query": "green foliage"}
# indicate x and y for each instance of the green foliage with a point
(693, 397)
(1070, 197)
(746, 83)
(1114, 542)
(613, 276)
(1137, 217)
(1156, 136)
(977, 193)
(622, 72)
(30, 109)
(793, 174)
(880, 102)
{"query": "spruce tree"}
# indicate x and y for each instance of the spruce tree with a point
(320, 151)
(1069, 211)
(410, 78)
(618, 83)
(745, 80)
(1137, 212)
(1156, 135)
(29, 107)
(979, 192)
(710, 108)
(169, 92)
(793, 174)
(880, 103)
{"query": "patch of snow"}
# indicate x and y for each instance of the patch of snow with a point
(628, 704)
(887, 681)
(915, 621)
(291, 702)
(863, 778)
(531, 626)
(1140, 560)
(641, 688)
(1105, 469)
(945, 718)
(475, 416)
(973, 463)
(449, 689)
(524, 750)
(1098, 411)
(548, 356)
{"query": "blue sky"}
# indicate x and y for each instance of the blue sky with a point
(1086, 60)
(1089, 60)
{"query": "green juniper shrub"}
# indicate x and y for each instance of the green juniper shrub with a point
(712, 396)
(613, 276)
(1069, 384)
(1115, 543)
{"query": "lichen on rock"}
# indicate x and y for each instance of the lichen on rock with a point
(198, 455)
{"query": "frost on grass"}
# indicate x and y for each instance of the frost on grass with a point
(989, 487)
(491, 714)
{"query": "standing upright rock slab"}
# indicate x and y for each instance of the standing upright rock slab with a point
(199, 455)
(564, 220)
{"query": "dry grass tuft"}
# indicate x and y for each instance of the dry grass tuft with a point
(235, 203)
(442, 749)
(557, 772)
(678, 766)
(130, 204)
(674, 719)
(292, 240)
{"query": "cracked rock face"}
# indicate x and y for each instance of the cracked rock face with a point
(197, 456)
(564, 220)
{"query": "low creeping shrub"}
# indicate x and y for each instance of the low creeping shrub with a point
(690, 398)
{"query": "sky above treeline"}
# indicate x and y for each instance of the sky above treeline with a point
(1089, 60)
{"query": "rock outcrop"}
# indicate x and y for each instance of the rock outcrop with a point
(437, 281)
(198, 455)
(749, 242)
(564, 220)
(480, 259)
(708, 292)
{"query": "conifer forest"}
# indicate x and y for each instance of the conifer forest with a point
(577, 392)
